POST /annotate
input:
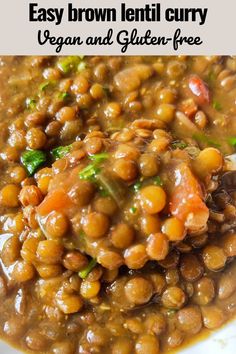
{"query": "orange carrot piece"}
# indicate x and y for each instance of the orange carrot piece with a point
(187, 195)
(55, 200)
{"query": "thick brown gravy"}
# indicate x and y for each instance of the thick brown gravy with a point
(117, 202)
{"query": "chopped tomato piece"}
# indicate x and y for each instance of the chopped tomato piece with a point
(199, 88)
(187, 198)
(57, 199)
(188, 107)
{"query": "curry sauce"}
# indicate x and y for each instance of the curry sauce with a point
(117, 198)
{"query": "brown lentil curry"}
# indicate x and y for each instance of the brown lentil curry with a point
(118, 201)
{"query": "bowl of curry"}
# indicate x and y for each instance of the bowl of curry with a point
(117, 204)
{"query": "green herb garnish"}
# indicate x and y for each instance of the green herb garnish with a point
(232, 141)
(179, 144)
(69, 63)
(211, 77)
(158, 181)
(103, 192)
(30, 103)
(85, 272)
(133, 210)
(99, 157)
(89, 172)
(44, 86)
(205, 139)
(32, 159)
(63, 96)
(61, 151)
(217, 105)
(137, 186)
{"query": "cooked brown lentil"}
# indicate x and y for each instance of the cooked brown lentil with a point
(117, 198)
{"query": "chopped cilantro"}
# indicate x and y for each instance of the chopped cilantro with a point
(103, 192)
(217, 105)
(99, 157)
(211, 77)
(61, 151)
(232, 141)
(179, 144)
(133, 210)
(158, 181)
(137, 186)
(205, 139)
(32, 159)
(69, 63)
(44, 86)
(63, 96)
(89, 172)
(30, 103)
(85, 272)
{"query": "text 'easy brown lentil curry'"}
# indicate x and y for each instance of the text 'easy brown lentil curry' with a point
(118, 202)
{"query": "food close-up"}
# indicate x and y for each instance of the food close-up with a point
(117, 202)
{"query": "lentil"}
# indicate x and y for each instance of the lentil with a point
(127, 238)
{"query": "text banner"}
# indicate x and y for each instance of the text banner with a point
(114, 27)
